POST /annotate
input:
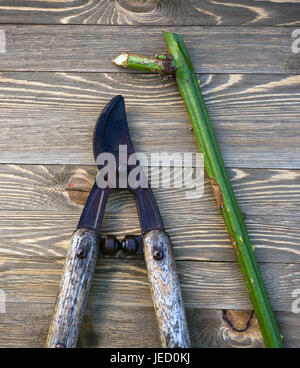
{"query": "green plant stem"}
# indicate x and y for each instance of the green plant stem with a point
(190, 90)
(156, 64)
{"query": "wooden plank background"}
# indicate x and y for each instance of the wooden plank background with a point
(55, 77)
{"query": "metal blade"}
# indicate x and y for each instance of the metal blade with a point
(110, 132)
(112, 129)
(93, 211)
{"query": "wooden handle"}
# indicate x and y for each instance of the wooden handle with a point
(165, 290)
(73, 291)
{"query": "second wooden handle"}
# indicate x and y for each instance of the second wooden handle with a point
(165, 290)
(73, 291)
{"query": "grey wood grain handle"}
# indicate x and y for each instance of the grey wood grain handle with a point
(165, 290)
(73, 290)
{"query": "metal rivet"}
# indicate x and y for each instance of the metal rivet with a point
(110, 244)
(158, 254)
(60, 345)
(81, 253)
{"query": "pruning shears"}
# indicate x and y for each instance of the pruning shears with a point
(111, 136)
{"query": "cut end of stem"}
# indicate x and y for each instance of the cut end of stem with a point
(121, 60)
(161, 64)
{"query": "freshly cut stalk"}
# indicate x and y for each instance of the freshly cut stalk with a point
(156, 64)
(190, 90)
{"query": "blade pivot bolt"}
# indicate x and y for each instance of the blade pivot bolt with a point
(110, 244)
(129, 245)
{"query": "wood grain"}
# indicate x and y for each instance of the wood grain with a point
(255, 117)
(41, 205)
(56, 76)
(116, 326)
(90, 48)
(208, 285)
(151, 12)
(74, 289)
(165, 290)
(106, 326)
(63, 189)
(202, 237)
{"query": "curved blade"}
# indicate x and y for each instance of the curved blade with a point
(111, 129)
(110, 132)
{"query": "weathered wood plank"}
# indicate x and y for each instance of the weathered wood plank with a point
(39, 110)
(208, 285)
(207, 328)
(107, 326)
(151, 12)
(201, 237)
(64, 189)
(50, 117)
(90, 48)
(41, 205)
